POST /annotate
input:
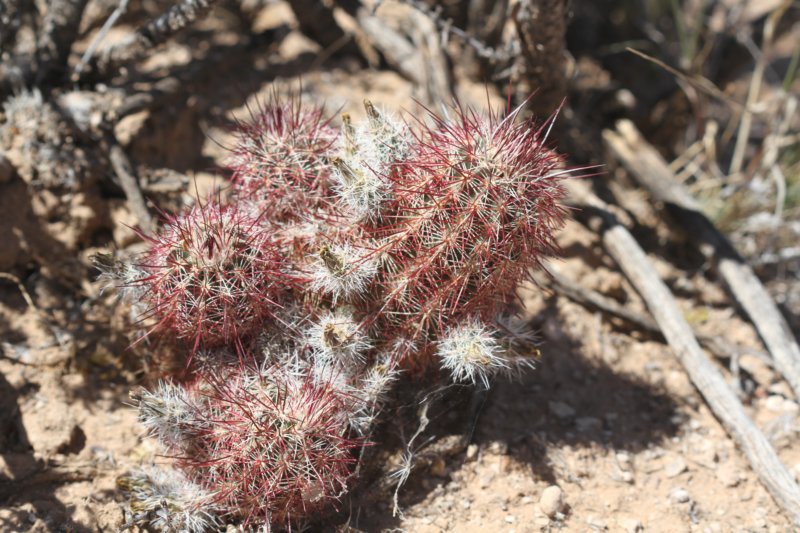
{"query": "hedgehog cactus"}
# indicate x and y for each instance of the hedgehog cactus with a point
(474, 210)
(270, 446)
(212, 276)
(279, 164)
(341, 263)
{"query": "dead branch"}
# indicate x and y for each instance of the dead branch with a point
(150, 35)
(437, 69)
(59, 30)
(651, 171)
(396, 49)
(763, 459)
(541, 27)
(130, 185)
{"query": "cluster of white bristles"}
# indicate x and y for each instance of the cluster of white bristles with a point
(365, 161)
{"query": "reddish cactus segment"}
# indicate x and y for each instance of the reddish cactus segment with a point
(280, 162)
(276, 446)
(212, 276)
(475, 209)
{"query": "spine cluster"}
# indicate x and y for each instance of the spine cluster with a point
(342, 260)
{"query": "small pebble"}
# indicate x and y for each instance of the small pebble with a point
(497, 448)
(510, 519)
(679, 495)
(779, 404)
(552, 500)
(626, 477)
(472, 452)
(675, 468)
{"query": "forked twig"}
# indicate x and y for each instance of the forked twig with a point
(130, 185)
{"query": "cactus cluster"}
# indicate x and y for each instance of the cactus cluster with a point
(342, 260)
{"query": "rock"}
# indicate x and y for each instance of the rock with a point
(510, 519)
(588, 424)
(17, 465)
(625, 467)
(129, 126)
(552, 500)
(679, 495)
(485, 480)
(675, 468)
(561, 410)
(779, 404)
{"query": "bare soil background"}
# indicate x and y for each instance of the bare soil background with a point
(609, 416)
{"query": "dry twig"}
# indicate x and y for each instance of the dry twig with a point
(541, 27)
(755, 87)
(651, 171)
(762, 457)
(130, 185)
(698, 82)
